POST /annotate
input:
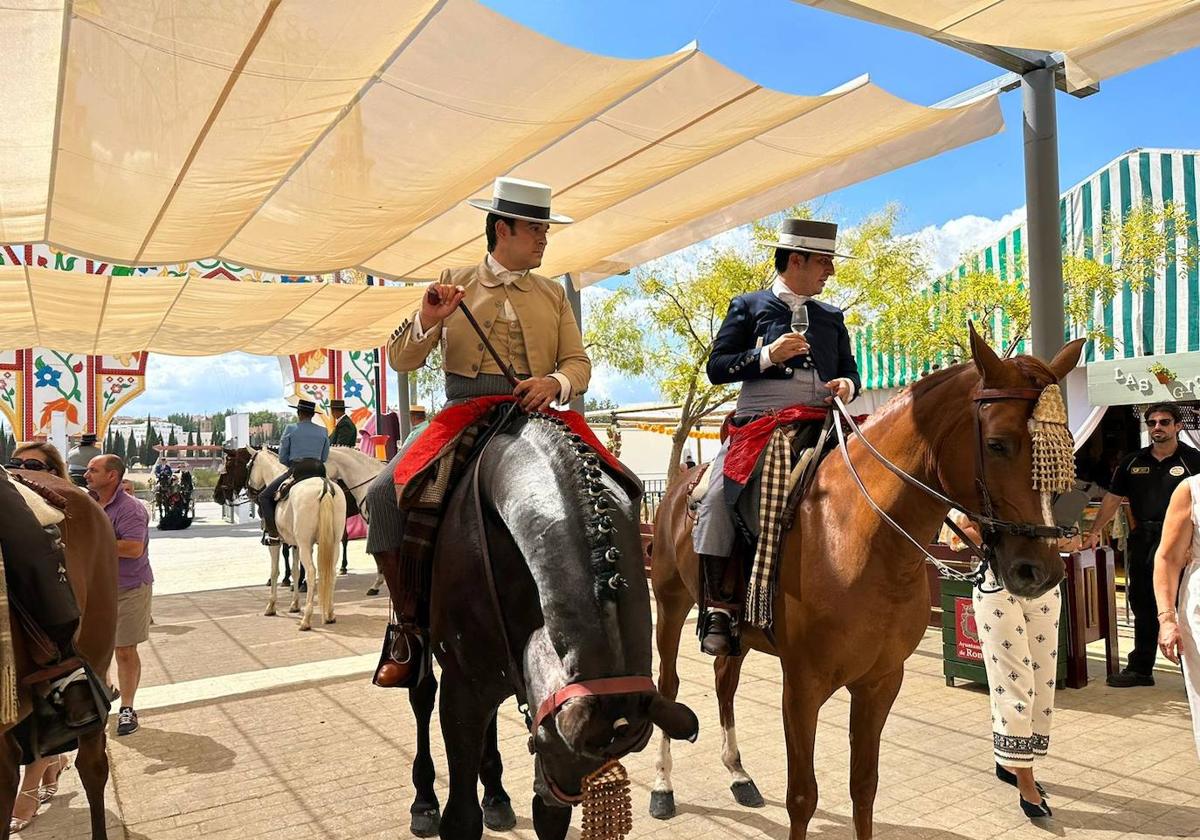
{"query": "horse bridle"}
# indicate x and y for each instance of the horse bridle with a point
(991, 526)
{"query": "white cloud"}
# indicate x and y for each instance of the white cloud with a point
(202, 384)
(947, 242)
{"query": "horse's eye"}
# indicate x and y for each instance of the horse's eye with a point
(996, 445)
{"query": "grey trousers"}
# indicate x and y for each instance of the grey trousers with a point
(385, 531)
(714, 530)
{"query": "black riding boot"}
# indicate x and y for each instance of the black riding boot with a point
(717, 634)
(75, 694)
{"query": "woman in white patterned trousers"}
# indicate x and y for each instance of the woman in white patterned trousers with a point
(1019, 638)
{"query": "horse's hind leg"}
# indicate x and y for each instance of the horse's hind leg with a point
(869, 707)
(674, 602)
(728, 670)
(425, 812)
(374, 590)
(274, 549)
(497, 807)
(10, 778)
(92, 762)
(305, 562)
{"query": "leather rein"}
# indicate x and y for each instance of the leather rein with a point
(991, 526)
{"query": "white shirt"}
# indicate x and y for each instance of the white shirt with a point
(506, 278)
(794, 302)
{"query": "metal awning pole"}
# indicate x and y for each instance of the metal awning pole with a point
(577, 307)
(1047, 323)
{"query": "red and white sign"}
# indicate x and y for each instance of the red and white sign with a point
(966, 634)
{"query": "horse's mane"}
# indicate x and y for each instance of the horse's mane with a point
(1036, 371)
(355, 451)
(568, 450)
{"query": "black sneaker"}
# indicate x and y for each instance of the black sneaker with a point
(127, 721)
(1129, 679)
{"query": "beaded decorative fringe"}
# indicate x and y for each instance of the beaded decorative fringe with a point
(607, 806)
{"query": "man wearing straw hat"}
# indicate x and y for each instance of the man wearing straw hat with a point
(787, 349)
(525, 316)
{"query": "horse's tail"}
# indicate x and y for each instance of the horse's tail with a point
(327, 544)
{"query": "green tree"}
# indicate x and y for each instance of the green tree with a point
(598, 404)
(131, 450)
(664, 327)
(1131, 252)
(929, 324)
(171, 439)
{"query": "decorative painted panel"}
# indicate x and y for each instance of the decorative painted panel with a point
(35, 383)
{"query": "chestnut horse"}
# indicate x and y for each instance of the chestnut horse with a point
(92, 571)
(852, 600)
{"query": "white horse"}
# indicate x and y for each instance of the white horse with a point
(313, 512)
(356, 469)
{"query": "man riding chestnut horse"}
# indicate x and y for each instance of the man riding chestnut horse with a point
(787, 349)
(509, 539)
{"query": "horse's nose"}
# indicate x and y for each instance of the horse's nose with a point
(1029, 575)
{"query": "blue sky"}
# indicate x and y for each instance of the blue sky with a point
(962, 199)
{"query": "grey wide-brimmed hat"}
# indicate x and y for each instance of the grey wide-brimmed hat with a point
(517, 199)
(809, 236)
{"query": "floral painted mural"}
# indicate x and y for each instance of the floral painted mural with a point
(37, 382)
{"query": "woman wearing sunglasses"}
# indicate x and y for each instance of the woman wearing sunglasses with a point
(38, 456)
(40, 780)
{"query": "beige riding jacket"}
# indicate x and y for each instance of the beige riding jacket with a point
(551, 337)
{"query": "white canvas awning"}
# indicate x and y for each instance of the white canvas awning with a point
(1100, 38)
(306, 136)
(99, 314)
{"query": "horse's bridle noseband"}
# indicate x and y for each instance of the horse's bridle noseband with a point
(990, 525)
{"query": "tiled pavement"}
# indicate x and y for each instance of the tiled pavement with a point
(251, 729)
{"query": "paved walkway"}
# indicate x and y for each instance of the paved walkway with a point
(251, 729)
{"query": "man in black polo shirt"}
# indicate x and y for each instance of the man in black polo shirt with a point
(1146, 478)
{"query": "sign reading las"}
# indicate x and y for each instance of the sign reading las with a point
(1129, 381)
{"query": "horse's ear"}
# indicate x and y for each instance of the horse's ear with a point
(1067, 358)
(989, 365)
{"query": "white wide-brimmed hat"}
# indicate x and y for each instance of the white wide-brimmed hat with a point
(517, 199)
(810, 236)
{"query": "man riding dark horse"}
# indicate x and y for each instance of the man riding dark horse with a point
(303, 449)
(788, 349)
(36, 573)
(525, 316)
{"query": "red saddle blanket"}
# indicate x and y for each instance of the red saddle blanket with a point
(449, 424)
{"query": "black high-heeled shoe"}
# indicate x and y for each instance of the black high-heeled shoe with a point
(1038, 811)
(1010, 778)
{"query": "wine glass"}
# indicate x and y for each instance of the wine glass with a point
(800, 320)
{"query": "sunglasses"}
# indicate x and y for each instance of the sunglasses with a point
(26, 464)
(1150, 424)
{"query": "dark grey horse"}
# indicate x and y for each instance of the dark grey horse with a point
(537, 588)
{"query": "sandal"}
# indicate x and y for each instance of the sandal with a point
(45, 792)
(16, 824)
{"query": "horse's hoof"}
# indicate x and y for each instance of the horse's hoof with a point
(425, 823)
(498, 815)
(305, 627)
(746, 794)
(331, 621)
(662, 804)
(372, 591)
(270, 611)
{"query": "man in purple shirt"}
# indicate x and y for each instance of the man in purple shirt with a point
(131, 524)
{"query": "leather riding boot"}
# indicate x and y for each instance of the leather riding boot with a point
(75, 694)
(717, 634)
